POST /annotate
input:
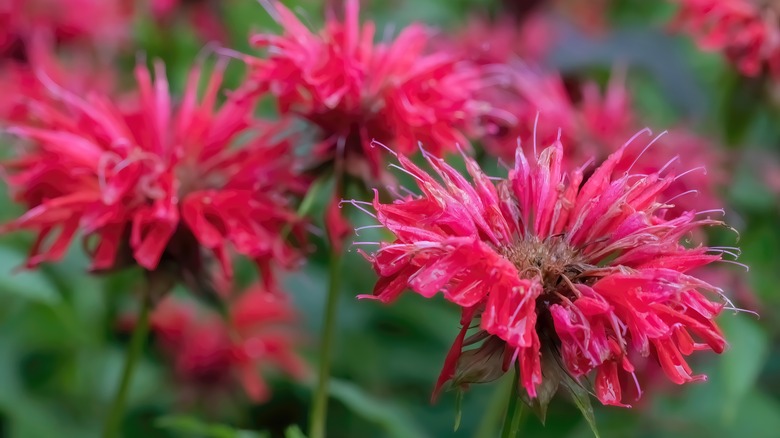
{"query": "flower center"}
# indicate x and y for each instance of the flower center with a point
(549, 260)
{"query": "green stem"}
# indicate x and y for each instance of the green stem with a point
(493, 416)
(131, 359)
(514, 412)
(319, 409)
(314, 192)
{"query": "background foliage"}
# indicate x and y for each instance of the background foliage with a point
(61, 350)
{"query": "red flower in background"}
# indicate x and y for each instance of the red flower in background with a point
(148, 181)
(356, 90)
(208, 353)
(20, 82)
(557, 269)
(595, 124)
(502, 41)
(747, 32)
(103, 23)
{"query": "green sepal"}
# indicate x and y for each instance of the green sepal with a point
(458, 409)
(581, 398)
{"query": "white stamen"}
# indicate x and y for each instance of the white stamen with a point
(366, 227)
(374, 143)
(668, 163)
(635, 136)
(733, 262)
(536, 124)
(702, 168)
(696, 192)
(406, 172)
(645, 150)
(357, 205)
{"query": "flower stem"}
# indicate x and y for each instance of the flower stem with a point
(493, 416)
(131, 359)
(307, 203)
(319, 409)
(514, 412)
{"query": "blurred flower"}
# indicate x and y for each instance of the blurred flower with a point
(210, 354)
(770, 174)
(567, 275)
(502, 41)
(519, 11)
(102, 23)
(355, 90)
(747, 32)
(20, 79)
(151, 183)
(590, 15)
(594, 124)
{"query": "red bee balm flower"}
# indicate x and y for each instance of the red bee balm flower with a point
(556, 269)
(747, 32)
(355, 90)
(150, 182)
(209, 353)
(101, 22)
(596, 124)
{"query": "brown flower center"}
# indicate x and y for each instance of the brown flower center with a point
(552, 260)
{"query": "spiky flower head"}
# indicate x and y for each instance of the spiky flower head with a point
(98, 23)
(354, 89)
(562, 276)
(747, 32)
(153, 183)
(210, 354)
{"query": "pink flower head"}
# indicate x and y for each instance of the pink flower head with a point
(556, 268)
(355, 90)
(149, 181)
(102, 23)
(747, 32)
(209, 353)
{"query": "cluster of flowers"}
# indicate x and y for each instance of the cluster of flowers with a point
(746, 31)
(570, 267)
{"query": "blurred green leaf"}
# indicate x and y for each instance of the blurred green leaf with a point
(385, 414)
(743, 361)
(192, 427)
(294, 432)
(581, 399)
(30, 285)
(458, 408)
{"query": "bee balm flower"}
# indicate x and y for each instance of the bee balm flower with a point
(150, 181)
(556, 269)
(103, 23)
(355, 90)
(210, 354)
(747, 32)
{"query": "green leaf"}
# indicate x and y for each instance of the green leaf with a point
(553, 375)
(581, 399)
(458, 409)
(26, 284)
(192, 427)
(395, 422)
(293, 432)
(742, 363)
